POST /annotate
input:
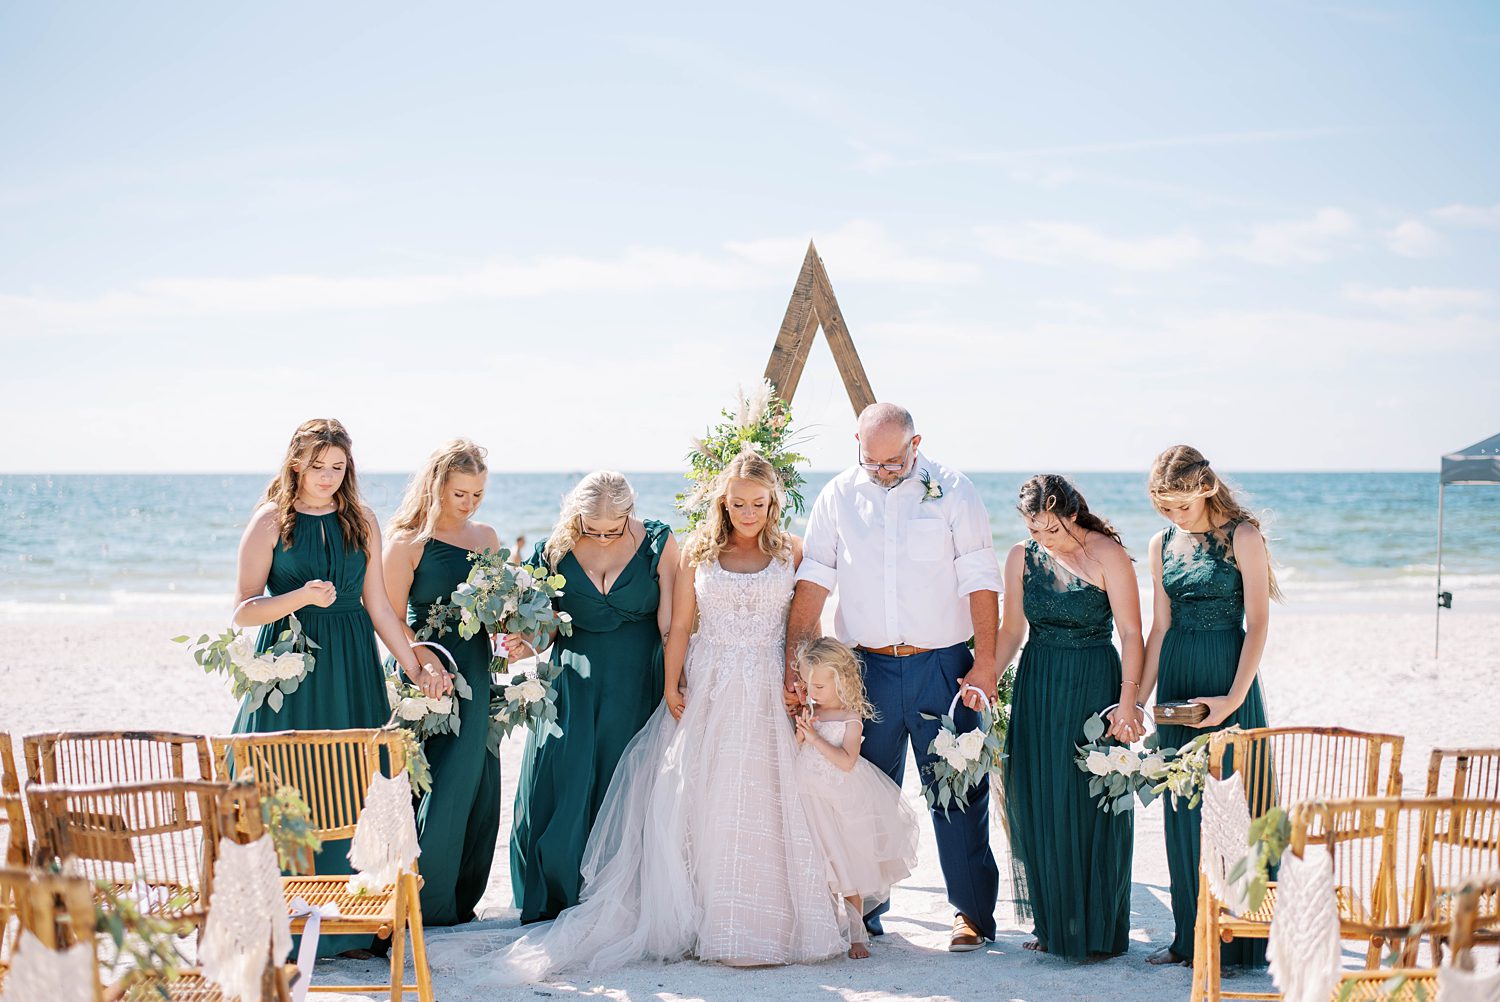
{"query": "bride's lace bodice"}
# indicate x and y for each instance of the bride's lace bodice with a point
(744, 609)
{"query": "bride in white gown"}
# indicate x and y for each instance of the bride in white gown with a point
(701, 848)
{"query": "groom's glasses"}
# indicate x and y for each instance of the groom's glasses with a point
(884, 467)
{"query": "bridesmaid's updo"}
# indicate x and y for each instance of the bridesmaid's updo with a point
(1182, 475)
(1049, 493)
(603, 494)
(422, 503)
(311, 440)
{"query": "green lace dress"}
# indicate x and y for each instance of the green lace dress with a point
(563, 780)
(1199, 657)
(1070, 860)
(458, 821)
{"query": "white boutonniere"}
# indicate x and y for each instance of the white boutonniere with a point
(930, 491)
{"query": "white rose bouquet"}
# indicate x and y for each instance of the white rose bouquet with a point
(504, 598)
(1119, 773)
(963, 760)
(419, 713)
(268, 677)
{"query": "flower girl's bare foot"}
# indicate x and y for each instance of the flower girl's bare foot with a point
(859, 952)
(1034, 945)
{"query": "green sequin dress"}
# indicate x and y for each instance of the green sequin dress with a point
(1200, 656)
(1070, 860)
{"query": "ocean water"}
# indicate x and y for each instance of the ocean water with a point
(109, 538)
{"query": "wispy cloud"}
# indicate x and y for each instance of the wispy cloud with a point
(1420, 299)
(865, 252)
(1414, 238)
(1300, 241)
(1477, 216)
(1057, 243)
(875, 159)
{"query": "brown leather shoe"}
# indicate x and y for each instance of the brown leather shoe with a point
(965, 936)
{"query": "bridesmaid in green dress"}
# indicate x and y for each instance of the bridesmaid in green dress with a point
(312, 548)
(432, 536)
(1068, 589)
(1213, 590)
(619, 571)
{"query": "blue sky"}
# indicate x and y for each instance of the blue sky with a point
(1066, 235)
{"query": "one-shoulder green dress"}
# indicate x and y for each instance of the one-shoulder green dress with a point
(458, 820)
(563, 780)
(1070, 860)
(1200, 656)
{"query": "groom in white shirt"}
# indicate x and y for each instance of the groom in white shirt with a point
(906, 542)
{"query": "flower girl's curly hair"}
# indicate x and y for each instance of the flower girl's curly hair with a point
(715, 530)
(848, 680)
(423, 502)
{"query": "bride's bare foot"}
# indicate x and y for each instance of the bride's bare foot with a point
(1034, 945)
(859, 952)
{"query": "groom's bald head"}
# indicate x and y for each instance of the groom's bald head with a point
(877, 419)
(886, 435)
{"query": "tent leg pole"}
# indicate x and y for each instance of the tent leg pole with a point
(1438, 626)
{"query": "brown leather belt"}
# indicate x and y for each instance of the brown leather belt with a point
(895, 650)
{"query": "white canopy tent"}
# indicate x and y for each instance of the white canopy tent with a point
(1479, 464)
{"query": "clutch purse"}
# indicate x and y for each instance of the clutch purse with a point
(1181, 712)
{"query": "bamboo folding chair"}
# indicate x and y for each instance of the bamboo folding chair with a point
(156, 841)
(1400, 866)
(332, 771)
(88, 757)
(57, 910)
(10, 780)
(1476, 908)
(1466, 772)
(70, 821)
(1282, 766)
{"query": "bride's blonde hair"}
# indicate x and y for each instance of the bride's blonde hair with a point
(603, 494)
(706, 542)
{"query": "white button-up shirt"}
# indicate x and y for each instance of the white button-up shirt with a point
(902, 566)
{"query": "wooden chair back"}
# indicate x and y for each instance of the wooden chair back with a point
(10, 780)
(1400, 863)
(81, 758)
(330, 769)
(14, 835)
(58, 910)
(158, 840)
(1282, 766)
(1464, 772)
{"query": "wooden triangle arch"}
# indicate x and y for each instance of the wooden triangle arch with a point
(813, 305)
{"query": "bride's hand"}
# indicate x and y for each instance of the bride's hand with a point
(676, 702)
(1126, 723)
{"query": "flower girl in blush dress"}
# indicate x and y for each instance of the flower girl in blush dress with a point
(866, 831)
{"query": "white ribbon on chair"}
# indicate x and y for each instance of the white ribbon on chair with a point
(246, 913)
(385, 839)
(1468, 986)
(37, 972)
(1303, 948)
(307, 951)
(1225, 831)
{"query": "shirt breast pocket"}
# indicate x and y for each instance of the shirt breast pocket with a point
(926, 539)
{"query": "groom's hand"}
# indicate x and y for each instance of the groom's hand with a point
(983, 676)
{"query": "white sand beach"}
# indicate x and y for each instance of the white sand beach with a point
(1359, 659)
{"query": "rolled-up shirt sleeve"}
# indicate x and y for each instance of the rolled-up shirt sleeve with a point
(820, 545)
(973, 543)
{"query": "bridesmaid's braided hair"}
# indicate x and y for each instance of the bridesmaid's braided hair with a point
(311, 440)
(423, 501)
(1182, 475)
(1051, 493)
